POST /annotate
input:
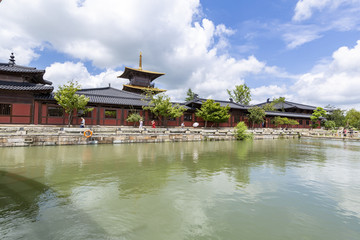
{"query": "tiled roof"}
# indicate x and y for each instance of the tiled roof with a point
(25, 86)
(107, 95)
(288, 114)
(288, 105)
(7, 67)
(109, 91)
(128, 71)
(233, 105)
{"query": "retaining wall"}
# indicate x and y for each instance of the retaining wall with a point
(49, 136)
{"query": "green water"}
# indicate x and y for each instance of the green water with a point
(271, 189)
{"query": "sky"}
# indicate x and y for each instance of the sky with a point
(307, 51)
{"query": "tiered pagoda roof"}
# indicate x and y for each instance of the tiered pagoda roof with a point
(140, 81)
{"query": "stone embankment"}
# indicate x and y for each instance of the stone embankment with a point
(51, 135)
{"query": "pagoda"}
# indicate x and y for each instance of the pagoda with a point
(140, 81)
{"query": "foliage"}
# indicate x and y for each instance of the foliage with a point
(284, 121)
(134, 117)
(67, 98)
(213, 112)
(240, 131)
(241, 94)
(190, 95)
(280, 101)
(330, 124)
(352, 118)
(256, 115)
(162, 108)
(269, 107)
(336, 115)
(317, 114)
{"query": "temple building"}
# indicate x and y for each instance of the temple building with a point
(140, 81)
(27, 98)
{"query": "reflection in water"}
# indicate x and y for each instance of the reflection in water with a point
(193, 190)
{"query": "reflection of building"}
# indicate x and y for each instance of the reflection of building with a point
(26, 98)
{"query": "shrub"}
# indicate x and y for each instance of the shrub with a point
(134, 117)
(330, 124)
(240, 131)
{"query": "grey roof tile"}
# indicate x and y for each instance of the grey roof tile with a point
(18, 69)
(14, 86)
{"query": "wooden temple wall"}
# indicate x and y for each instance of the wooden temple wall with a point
(24, 110)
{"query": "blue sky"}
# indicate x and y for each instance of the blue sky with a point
(305, 50)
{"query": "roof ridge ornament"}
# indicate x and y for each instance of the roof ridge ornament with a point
(140, 61)
(12, 59)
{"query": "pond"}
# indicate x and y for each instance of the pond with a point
(267, 189)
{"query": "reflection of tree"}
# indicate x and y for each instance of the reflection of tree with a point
(19, 194)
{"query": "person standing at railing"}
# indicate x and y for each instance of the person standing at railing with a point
(153, 124)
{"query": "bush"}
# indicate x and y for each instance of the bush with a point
(240, 131)
(134, 117)
(330, 124)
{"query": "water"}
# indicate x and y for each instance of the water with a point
(271, 189)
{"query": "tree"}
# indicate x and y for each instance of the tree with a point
(162, 108)
(269, 107)
(213, 112)
(241, 94)
(337, 116)
(190, 95)
(317, 114)
(134, 117)
(329, 124)
(67, 98)
(240, 131)
(352, 118)
(280, 101)
(256, 115)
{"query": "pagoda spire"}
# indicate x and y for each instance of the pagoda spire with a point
(140, 62)
(12, 59)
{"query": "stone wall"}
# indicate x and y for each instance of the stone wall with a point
(50, 136)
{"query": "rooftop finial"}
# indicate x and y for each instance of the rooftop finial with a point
(12, 59)
(140, 62)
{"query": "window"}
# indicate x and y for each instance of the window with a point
(307, 122)
(55, 111)
(110, 113)
(171, 119)
(187, 117)
(5, 109)
(300, 122)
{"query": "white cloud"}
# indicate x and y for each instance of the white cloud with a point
(174, 37)
(304, 8)
(336, 82)
(260, 94)
(61, 73)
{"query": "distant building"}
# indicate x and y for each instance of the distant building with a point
(27, 98)
(140, 81)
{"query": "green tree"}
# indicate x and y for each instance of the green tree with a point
(134, 117)
(213, 112)
(279, 101)
(240, 131)
(352, 118)
(67, 98)
(269, 107)
(241, 94)
(256, 115)
(190, 95)
(318, 113)
(162, 108)
(329, 124)
(337, 116)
